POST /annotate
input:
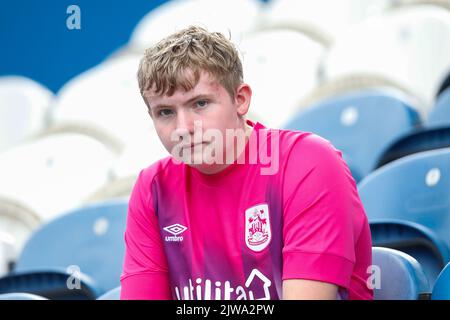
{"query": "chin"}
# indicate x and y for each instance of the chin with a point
(207, 168)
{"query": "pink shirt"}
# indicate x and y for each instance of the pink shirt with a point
(239, 233)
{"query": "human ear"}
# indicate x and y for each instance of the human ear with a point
(242, 98)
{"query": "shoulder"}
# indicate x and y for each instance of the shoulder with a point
(313, 160)
(148, 174)
(157, 173)
(143, 193)
(307, 150)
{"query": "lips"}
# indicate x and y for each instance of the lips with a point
(193, 145)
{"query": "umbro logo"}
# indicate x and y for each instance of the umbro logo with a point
(175, 230)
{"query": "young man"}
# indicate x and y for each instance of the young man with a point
(238, 211)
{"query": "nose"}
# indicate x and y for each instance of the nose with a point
(184, 124)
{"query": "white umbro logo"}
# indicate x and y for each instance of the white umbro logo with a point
(175, 229)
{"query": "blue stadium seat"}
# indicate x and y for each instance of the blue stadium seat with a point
(113, 294)
(414, 239)
(440, 114)
(441, 289)
(90, 238)
(54, 284)
(420, 140)
(415, 189)
(444, 85)
(401, 276)
(350, 121)
(20, 296)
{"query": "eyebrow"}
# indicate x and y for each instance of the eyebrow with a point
(197, 97)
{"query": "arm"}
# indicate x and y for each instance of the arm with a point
(299, 289)
(319, 221)
(145, 274)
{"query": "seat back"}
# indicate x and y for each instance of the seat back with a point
(89, 240)
(441, 289)
(440, 114)
(53, 284)
(415, 189)
(20, 296)
(24, 105)
(400, 276)
(424, 139)
(414, 239)
(113, 294)
(350, 120)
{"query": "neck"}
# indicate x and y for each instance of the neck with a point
(238, 149)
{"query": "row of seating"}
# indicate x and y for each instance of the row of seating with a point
(407, 203)
(395, 276)
(271, 50)
(412, 194)
(336, 89)
(350, 122)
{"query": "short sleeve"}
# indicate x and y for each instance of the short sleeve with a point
(145, 272)
(321, 210)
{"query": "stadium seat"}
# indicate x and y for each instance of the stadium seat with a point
(47, 176)
(327, 18)
(414, 239)
(444, 85)
(231, 17)
(413, 188)
(89, 238)
(350, 121)
(352, 83)
(20, 296)
(422, 139)
(24, 106)
(441, 289)
(127, 166)
(137, 156)
(53, 284)
(18, 221)
(406, 42)
(102, 97)
(441, 3)
(6, 252)
(281, 67)
(113, 294)
(400, 276)
(440, 114)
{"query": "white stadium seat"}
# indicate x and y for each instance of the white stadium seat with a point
(353, 83)
(281, 66)
(107, 98)
(24, 105)
(232, 16)
(327, 18)
(138, 156)
(46, 177)
(127, 166)
(6, 252)
(408, 45)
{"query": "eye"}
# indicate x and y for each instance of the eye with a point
(201, 103)
(164, 112)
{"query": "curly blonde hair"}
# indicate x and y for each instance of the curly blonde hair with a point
(193, 49)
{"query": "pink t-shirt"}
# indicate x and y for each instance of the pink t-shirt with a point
(239, 233)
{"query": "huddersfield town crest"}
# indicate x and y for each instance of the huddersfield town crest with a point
(257, 227)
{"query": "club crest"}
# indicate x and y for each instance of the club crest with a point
(257, 227)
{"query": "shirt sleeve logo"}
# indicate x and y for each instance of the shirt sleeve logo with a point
(257, 227)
